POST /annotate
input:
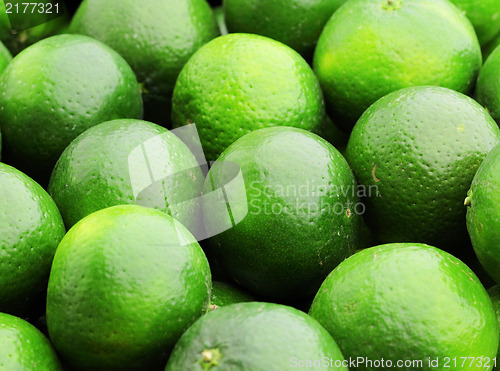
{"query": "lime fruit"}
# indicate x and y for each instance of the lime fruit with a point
(370, 48)
(31, 227)
(156, 37)
(30, 29)
(126, 161)
(296, 23)
(483, 213)
(408, 304)
(125, 284)
(5, 57)
(484, 16)
(418, 149)
(240, 82)
(56, 89)
(293, 211)
(24, 347)
(276, 338)
(488, 85)
(221, 20)
(224, 294)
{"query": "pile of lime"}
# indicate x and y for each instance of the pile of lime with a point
(256, 185)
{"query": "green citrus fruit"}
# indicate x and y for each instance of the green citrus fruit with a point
(494, 294)
(484, 16)
(240, 82)
(125, 283)
(488, 85)
(483, 213)
(409, 305)
(56, 89)
(156, 37)
(293, 211)
(30, 28)
(296, 23)
(31, 227)
(125, 162)
(5, 57)
(418, 149)
(370, 48)
(221, 20)
(23, 347)
(224, 294)
(254, 336)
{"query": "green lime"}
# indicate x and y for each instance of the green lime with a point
(408, 306)
(488, 85)
(5, 57)
(296, 23)
(239, 83)
(31, 227)
(281, 204)
(56, 89)
(126, 162)
(418, 149)
(255, 336)
(483, 213)
(494, 294)
(370, 48)
(31, 28)
(125, 284)
(156, 37)
(221, 20)
(484, 16)
(24, 347)
(224, 294)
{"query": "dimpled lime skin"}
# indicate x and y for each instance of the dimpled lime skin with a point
(488, 85)
(483, 213)
(31, 227)
(407, 302)
(125, 284)
(275, 338)
(300, 220)
(101, 168)
(494, 293)
(484, 16)
(418, 149)
(370, 48)
(239, 83)
(296, 23)
(24, 347)
(5, 57)
(56, 89)
(156, 37)
(224, 294)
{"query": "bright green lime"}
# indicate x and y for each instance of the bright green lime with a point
(23, 347)
(255, 337)
(484, 16)
(56, 89)
(126, 282)
(370, 48)
(408, 304)
(483, 213)
(417, 150)
(293, 211)
(31, 227)
(488, 85)
(494, 294)
(224, 294)
(239, 83)
(296, 23)
(126, 162)
(156, 37)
